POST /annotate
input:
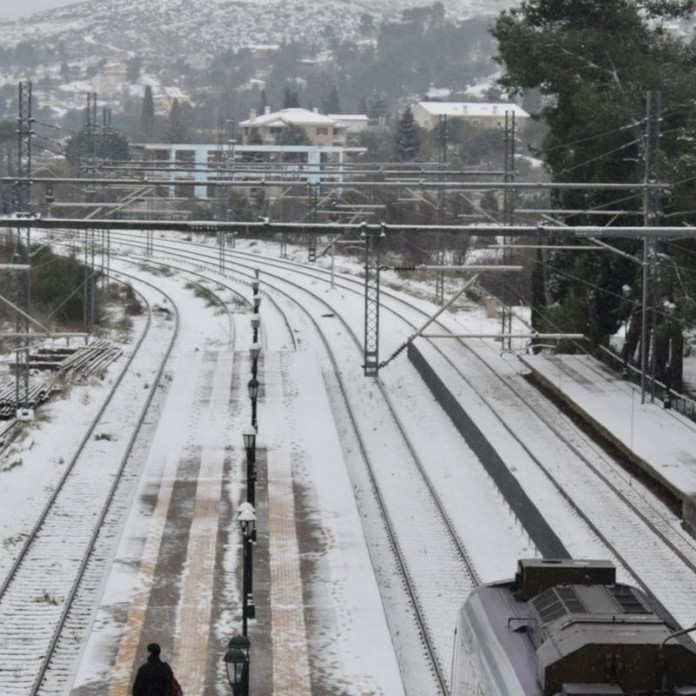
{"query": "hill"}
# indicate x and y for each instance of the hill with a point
(175, 29)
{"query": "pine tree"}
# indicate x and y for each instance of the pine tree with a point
(407, 136)
(147, 115)
(82, 146)
(293, 135)
(593, 62)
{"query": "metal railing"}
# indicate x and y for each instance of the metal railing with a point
(672, 399)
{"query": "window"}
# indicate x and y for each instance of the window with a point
(323, 131)
(336, 131)
(187, 156)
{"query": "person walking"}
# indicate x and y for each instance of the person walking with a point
(154, 678)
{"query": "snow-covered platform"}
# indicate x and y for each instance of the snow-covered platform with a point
(660, 441)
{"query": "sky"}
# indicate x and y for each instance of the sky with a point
(16, 8)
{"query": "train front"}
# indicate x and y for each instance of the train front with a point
(567, 628)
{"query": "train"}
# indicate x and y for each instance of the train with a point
(567, 628)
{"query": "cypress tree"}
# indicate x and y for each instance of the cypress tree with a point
(291, 99)
(332, 104)
(178, 129)
(263, 103)
(407, 136)
(147, 115)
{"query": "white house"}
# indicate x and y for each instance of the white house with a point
(355, 123)
(479, 114)
(320, 129)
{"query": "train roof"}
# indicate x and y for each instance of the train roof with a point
(580, 626)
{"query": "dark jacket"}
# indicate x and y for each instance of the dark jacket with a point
(154, 678)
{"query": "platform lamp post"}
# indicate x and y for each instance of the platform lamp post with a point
(249, 437)
(254, 351)
(237, 664)
(246, 516)
(255, 321)
(253, 389)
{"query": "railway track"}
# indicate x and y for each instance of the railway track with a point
(656, 517)
(631, 525)
(440, 540)
(48, 596)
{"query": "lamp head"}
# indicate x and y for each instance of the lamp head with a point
(236, 664)
(249, 436)
(247, 521)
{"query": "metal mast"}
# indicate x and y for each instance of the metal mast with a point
(372, 267)
(24, 134)
(22, 204)
(508, 220)
(312, 210)
(441, 198)
(651, 215)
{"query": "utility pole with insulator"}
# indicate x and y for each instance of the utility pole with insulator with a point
(508, 219)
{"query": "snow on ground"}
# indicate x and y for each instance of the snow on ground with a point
(59, 427)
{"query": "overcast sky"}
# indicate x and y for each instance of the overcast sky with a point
(17, 8)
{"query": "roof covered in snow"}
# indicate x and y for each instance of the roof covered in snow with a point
(476, 109)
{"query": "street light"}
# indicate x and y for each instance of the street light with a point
(237, 664)
(253, 389)
(257, 302)
(249, 436)
(255, 321)
(255, 286)
(247, 522)
(254, 351)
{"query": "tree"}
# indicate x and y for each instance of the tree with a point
(179, 125)
(332, 104)
(83, 147)
(407, 136)
(262, 102)
(133, 68)
(367, 24)
(56, 283)
(595, 59)
(291, 99)
(293, 135)
(593, 62)
(147, 115)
